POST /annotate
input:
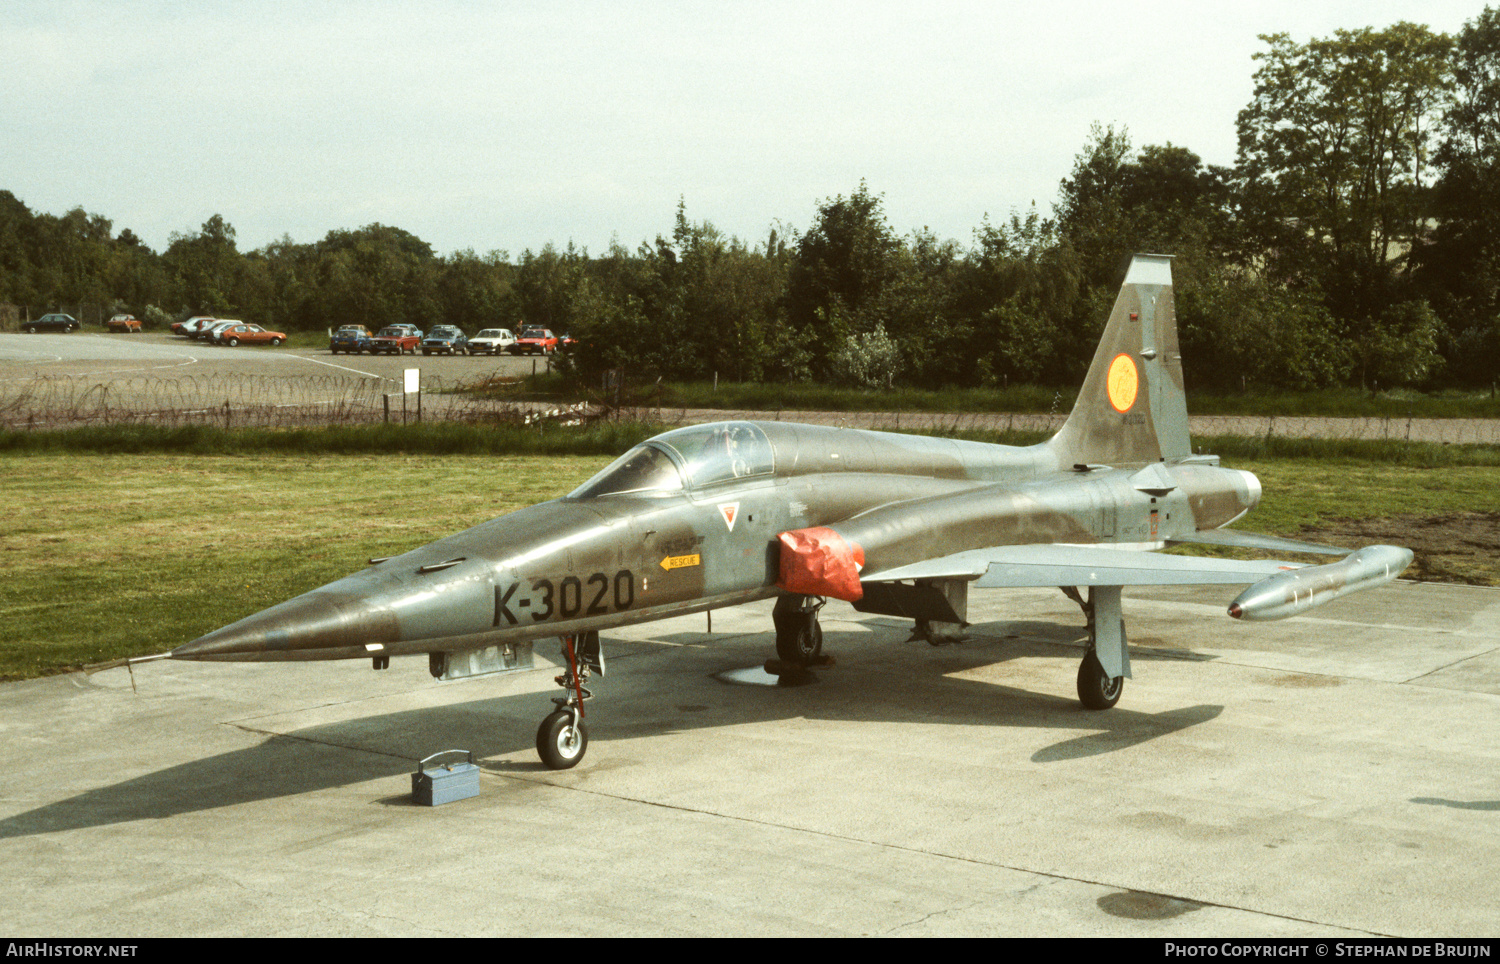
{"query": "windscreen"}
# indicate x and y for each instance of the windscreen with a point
(643, 469)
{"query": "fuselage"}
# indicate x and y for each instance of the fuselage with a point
(689, 521)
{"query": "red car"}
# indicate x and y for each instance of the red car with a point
(534, 341)
(125, 323)
(395, 339)
(250, 335)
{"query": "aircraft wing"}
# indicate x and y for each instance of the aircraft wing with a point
(1064, 565)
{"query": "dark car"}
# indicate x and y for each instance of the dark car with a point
(52, 322)
(446, 339)
(350, 339)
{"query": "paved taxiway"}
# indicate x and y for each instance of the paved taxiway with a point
(1334, 774)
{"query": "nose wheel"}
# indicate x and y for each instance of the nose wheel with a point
(563, 738)
(799, 638)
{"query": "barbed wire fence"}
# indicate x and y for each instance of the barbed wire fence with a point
(232, 400)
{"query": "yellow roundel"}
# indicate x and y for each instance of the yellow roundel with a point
(1123, 382)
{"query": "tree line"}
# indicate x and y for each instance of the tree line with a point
(1355, 241)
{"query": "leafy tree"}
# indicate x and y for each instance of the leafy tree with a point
(1459, 271)
(868, 360)
(1240, 331)
(1333, 158)
(841, 265)
(204, 267)
(472, 291)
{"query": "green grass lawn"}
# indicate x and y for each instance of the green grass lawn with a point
(105, 556)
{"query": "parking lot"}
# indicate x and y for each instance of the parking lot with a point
(106, 357)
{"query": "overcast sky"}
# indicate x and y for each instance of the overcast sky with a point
(509, 125)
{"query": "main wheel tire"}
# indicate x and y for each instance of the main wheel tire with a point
(559, 743)
(1096, 691)
(802, 644)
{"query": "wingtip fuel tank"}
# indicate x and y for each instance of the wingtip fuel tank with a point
(1298, 590)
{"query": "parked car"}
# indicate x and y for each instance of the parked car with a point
(351, 339)
(396, 339)
(491, 341)
(52, 322)
(125, 323)
(212, 332)
(250, 335)
(206, 330)
(187, 328)
(446, 339)
(534, 341)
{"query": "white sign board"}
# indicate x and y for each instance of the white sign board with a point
(413, 378)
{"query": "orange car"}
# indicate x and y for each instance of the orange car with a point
(126, 323)
(250, 335)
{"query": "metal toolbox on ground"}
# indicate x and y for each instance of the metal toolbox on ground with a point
(445, 782)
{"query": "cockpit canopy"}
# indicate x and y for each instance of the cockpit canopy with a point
(686, 458)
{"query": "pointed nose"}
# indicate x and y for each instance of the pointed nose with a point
(317, 625)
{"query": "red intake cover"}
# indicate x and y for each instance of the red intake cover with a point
(820, 562)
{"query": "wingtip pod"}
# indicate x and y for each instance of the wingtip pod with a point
(1298, 590)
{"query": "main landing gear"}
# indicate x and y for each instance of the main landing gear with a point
(799, 640)
(1106, 663)
(563, 737)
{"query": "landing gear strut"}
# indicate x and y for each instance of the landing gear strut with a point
(563, 737)
(1106, 663)
(799, 638)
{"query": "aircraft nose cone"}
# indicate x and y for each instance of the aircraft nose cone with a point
(309, 626)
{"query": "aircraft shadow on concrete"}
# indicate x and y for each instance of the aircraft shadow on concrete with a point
(885, 684)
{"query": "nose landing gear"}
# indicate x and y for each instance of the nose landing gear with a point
(563, 737)
(799, 638)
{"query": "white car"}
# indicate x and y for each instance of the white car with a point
(491, 341)
(215, 331)
(191, 327)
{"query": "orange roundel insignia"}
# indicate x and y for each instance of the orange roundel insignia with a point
(1123, 382)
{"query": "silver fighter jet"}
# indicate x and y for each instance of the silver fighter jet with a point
(716, 515)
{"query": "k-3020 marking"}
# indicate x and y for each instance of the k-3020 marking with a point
(565, 597)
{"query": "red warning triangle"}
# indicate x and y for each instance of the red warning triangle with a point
(730, 511)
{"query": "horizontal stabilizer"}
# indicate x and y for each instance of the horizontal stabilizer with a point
(1254, 540)
(1055, 565)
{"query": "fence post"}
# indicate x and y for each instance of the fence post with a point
(226, 415)
(387, 400)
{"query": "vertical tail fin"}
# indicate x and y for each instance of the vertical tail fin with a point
(1132, 409)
